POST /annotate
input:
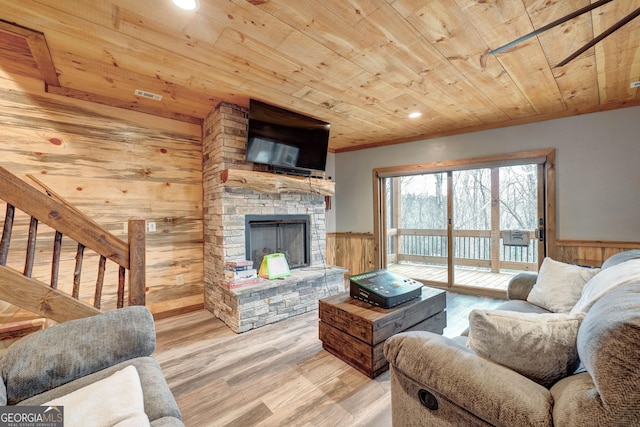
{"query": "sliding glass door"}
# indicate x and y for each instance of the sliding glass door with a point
(469, 226)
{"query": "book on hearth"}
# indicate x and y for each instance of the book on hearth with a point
(238, 265)
(241, 275)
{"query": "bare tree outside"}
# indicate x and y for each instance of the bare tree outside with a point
(423, 196)
(518, 197)
(424, 199)
(472, 199)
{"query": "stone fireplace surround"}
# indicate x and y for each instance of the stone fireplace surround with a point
(225, 207)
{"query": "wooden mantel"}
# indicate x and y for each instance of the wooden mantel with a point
(266, 182)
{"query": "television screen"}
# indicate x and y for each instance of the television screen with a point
(285, 139)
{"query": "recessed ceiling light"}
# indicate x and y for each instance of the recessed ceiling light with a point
(415, 115)
(186, 4)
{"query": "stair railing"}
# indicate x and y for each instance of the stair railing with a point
(20, 289)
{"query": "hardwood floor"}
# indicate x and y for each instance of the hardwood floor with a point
(277, 375)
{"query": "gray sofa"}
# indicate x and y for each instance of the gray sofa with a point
(437, 381)
(62, 359)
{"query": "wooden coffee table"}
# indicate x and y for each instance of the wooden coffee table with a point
(355, 331)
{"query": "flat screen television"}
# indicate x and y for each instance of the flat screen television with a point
(289, 142)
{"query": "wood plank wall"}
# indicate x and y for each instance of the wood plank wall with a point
(596, 251)
(113, 165)
(356, 251)
(353, 251)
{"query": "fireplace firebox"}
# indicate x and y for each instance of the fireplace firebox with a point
(287, 234)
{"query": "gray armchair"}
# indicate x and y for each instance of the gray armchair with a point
(57, 361)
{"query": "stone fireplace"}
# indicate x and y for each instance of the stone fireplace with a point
(244, 223)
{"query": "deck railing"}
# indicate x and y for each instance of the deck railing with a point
(470, 248)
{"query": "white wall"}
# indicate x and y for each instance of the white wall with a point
(597, 171)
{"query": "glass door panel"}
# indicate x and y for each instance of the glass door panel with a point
(472, 220)
(416, 224)
(519, 218)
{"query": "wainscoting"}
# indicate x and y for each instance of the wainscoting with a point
(596, 252)
(356, 251)
(353, 251)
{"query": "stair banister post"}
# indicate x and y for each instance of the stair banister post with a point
(137, 261)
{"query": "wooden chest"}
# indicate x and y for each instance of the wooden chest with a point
(355, 331)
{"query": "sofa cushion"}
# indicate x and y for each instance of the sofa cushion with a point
(608, 343)
(608, 279)
(113, 401)
(577, 403)
(559, 285)
(540, 346)
(521, 306)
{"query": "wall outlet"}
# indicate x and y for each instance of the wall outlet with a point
(180, 279)
(151, 227)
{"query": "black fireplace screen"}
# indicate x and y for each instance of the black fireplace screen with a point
(287, 234)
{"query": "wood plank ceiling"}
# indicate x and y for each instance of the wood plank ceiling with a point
(362, 65)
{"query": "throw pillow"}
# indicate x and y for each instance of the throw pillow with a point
(608, 279)
(115, 401)
(559, 285)
(540, 346)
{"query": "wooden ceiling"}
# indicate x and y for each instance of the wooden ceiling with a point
(362, 65)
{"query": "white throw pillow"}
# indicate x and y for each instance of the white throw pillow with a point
(606, 280)
(115, 401)
(559, 285)
(540, 346)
